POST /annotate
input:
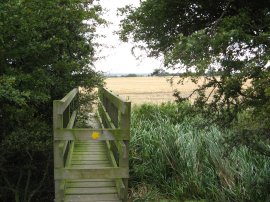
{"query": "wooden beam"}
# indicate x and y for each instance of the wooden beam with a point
(91, 134)
(93, 197)
(72, 120)
(57, 151)
(116, 100)
(67, 100)
(103, 113)
(95, 173)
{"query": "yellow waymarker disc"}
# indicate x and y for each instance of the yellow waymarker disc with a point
(95, 135)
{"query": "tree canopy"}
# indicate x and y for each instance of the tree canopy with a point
(228, 38)
(46, 49)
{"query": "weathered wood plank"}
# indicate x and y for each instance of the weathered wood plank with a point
(90, 147)
(89, 158)
(88, 142)
(91, 180)
(91, 166)
(105, 116)
(92, 197)
(58, 151)
(89, 155)
(91, 190)
(105, 173)
(70, 152)
(67, 100)
(72, 120)
(87, 134)
(93, 148)
(94, 162)
(89, 184)
(89, 152)
(116, 100)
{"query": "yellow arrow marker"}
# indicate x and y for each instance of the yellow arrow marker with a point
(95, 135)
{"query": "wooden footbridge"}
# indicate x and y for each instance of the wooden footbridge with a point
(91, 164)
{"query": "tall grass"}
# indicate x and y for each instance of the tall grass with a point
(173, 157)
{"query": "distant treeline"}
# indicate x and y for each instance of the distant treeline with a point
(162, 72)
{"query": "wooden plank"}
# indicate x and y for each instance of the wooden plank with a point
(88, 142)
(89, 184)
(87, 150)
(86, 134)
(91, 190)
(119, 183)
(67, 100)
(92, 197)
(89, 158)
(89, 146)
(91, 180)
(122, 150)
(106, 173)
(70, 152)
(103, 113)
(94, 162)
(124, 120)
(91, 166)
(86, 157)
(72, 120)
(89, 153)
(58, 150)
(116, 100)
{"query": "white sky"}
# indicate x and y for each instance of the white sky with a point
(118, 56)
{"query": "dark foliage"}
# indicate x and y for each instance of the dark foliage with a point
(226, 40)
(45, 50)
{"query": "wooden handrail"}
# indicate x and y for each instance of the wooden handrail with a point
(115, 113)
(65, 102)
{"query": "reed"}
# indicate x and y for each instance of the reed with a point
(173, 157)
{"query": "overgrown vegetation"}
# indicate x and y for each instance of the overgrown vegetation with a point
(46, 50)
(216, 37)
(176, 155)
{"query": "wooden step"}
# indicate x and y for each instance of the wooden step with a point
(92, 198)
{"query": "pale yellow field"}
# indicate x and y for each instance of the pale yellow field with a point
(148, 89)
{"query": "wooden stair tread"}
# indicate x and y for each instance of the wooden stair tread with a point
(89, 154)
(83, 184)
(92, 198)
(85, 155)
(90, 190)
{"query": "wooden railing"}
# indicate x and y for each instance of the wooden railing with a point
(114, 113)
(64, 115)
(114, 116)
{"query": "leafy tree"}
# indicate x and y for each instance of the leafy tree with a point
(46, 49)
(159, 72)
(130, 75)
(229, 38)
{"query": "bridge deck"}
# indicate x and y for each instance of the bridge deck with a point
(84, 155)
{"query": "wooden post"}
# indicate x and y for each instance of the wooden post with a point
(124, 123)
(58, 150)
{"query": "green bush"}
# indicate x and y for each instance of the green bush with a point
(46, 49)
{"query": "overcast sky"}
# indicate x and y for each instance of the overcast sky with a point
(118, 57)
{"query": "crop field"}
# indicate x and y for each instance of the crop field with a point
(149, 89)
